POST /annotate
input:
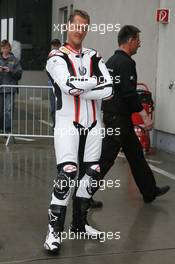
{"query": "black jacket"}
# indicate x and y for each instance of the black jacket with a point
(125, 101)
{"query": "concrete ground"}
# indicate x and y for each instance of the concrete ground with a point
(147, 231)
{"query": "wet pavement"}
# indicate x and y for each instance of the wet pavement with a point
(147, 231)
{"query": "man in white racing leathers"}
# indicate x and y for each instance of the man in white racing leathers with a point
(81, 80)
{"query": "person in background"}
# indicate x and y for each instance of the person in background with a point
(10, 74)
(117, 115)
(55, 45)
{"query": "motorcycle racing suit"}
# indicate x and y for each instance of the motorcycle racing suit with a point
(80, 80)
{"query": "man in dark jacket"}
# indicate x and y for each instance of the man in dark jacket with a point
(117, 115)
(10, 73)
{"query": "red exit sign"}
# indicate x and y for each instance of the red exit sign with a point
(163, 15)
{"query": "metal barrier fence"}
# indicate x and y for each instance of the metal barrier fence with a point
(25, 111)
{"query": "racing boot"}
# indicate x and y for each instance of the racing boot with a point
(56, 214)
(80, 224)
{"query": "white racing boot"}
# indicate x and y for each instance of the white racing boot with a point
(56, 215)
(53, 241)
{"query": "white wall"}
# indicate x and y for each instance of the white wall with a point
(56, 5)
(140, 13)
(165, 98)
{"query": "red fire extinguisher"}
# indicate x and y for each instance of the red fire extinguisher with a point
(147, 102)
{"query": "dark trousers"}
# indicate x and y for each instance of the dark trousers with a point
(132, 149)
(6, 111)
(1, 112)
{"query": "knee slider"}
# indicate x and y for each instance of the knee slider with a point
(69, 168)
(93, 171)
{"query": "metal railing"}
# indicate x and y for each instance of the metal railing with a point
(25, 111)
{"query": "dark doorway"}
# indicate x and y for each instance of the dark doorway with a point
(32, 27)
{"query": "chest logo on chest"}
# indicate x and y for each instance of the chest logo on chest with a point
(82, 71)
